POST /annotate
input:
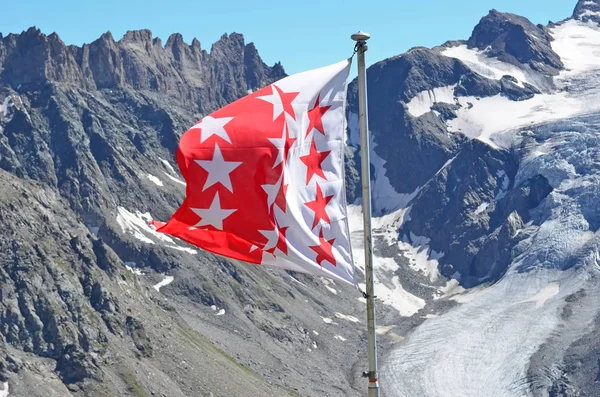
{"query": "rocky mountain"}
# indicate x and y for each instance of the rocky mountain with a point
(588, 10)
(94, 302)
(485, 171)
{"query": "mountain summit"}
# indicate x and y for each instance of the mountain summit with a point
(512, 38)
(587, 10)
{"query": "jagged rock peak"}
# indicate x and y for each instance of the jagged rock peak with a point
(177, 69)
(174, 39)
(233, 40)
(107, 36)
(587, 10)
(233, 36)
(33, 31)
(517, 40)
(196, 43)
(143, 35)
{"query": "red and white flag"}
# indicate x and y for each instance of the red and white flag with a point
(265, 177)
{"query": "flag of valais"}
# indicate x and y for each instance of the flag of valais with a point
(265, 177)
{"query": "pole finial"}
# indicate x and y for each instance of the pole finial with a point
(360, 36)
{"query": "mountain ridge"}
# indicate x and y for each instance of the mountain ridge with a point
(182, 71)
(95, 302)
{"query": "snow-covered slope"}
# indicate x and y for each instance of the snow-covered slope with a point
(510, 338)
(486, 119)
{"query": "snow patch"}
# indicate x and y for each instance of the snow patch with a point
(491, 68)
(176, 180)
(172, 171)
(333, 291)
(220, 312)
(422, 103)
(339, 337)
(132, 267)
(397, 297)
(352, 319)
(154, 179)
(137, 225)
(482, 207)
(384, 329)
(421, 257)
(184, 249)
(4, 106)
(328, 283)
(5, 391)
(492, 115)
(327, 320)
(589, 13)
(166, 281)
(169, 166)
(299, 282)
(389, 288)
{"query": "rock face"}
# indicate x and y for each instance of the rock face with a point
(87, 142)
(515, 39)
(587, 10)
(394, 82)
(476, 225)
(457, 187)
(185, 73)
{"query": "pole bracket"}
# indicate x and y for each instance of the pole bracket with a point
(365, 295)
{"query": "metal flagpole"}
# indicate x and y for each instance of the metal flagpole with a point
(361, 47)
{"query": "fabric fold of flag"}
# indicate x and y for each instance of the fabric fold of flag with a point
(265, 177)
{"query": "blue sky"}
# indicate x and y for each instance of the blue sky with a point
(301, 34)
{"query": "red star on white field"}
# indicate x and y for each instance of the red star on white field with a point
(283, 144)
(313, 162)
(281, 101)
(318, 206)
(324, 250)
(315, 117)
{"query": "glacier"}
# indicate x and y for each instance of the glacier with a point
(486, 345)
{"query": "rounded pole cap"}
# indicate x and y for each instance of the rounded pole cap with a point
(360, 36)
